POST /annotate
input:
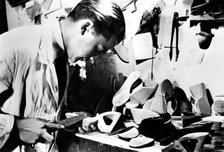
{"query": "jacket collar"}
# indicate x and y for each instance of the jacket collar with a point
(50, 31)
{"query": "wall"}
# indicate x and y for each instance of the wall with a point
(194, 64)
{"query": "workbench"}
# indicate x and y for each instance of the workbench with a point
(101, 142)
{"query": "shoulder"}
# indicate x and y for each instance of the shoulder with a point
(21, 34)
(20, 43)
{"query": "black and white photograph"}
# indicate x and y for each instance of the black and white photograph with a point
(111, 76)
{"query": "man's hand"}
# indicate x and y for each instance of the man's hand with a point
(32, 129)
(88, 124)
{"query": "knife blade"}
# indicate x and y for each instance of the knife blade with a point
(74, 119)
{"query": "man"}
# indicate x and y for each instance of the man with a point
(34, 66)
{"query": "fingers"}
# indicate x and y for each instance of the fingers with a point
(88, 124)
(85, 128)
(53, 126)
(28, 137)
(93, 127)
(32, 130)
(81, 130)
(70, 114)
(89, 121)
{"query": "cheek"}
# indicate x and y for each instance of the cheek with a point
(88, 48)
(81, 49)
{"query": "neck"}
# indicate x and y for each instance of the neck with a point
(58, 41)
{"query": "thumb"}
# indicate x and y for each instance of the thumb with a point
(48, 137)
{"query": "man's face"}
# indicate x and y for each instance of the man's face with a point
(89, 44)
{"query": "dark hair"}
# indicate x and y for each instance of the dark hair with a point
(107, 17)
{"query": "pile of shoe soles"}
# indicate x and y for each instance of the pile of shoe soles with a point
(161, 113)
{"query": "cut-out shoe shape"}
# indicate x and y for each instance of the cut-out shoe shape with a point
(129, 134)
(106, 121)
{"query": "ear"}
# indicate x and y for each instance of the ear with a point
(86, 26)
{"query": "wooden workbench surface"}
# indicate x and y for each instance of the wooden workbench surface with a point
(113, 141)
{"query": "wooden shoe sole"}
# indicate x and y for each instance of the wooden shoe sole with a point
(141, 141)
(129, 134)
(122, 95)
(143, 94)
(132, 104)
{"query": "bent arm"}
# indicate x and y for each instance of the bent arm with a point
(7, 64)
(7, 68)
